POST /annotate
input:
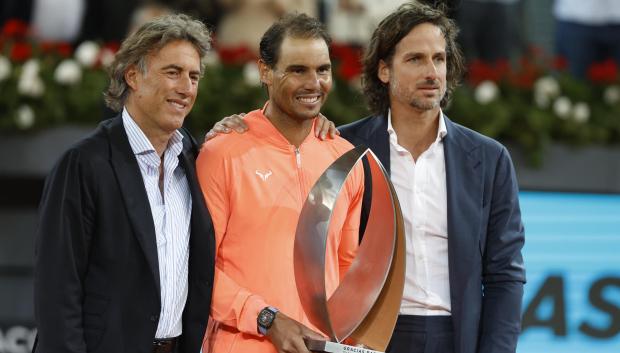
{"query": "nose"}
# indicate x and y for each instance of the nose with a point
(312, 81)
(185, 85)
(431, 70)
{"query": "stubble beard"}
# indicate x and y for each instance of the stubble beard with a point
(421, 104)
(425, 104)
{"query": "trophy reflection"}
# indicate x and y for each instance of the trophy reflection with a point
(362, 311)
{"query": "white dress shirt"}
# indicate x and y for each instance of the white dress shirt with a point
(171, 217)
(421, 189)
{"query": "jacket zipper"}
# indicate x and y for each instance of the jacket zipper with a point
(299, 176)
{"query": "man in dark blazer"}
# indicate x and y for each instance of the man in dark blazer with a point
(469, 203)
(124, 247)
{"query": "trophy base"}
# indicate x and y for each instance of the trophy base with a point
(333, 347)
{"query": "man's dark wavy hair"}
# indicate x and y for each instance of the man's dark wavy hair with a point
(295, 25)
(389, 33)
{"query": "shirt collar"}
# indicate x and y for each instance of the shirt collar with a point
(441, 130)
(140, 144)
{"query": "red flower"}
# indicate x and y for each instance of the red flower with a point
(61, 48)
(14, 28)
(236, 55)
(480, 71)
(525, 79)
(560, 63)
(603, 72)
(64, 49)
(349, 58)
(21, 51)
(113, 46)
(47, 47)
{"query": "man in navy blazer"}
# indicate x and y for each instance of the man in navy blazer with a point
(463, 209)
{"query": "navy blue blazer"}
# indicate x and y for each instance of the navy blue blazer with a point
(485, 233)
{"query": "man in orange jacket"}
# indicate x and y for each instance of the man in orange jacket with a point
(255, 186)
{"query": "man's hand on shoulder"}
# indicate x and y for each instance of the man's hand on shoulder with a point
(324, 128)
(225, 126)
(287, 335)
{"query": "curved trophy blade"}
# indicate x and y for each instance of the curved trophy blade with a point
(376, 329)
(363, 284)
(311, 239)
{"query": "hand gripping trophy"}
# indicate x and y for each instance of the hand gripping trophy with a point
(362, 311)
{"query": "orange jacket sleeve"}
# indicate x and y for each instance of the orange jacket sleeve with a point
(232, 305)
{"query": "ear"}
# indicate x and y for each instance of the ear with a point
(131, 76)
(266, 73)
(383, 72)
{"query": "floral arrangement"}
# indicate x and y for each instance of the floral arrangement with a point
(540, 102)
(530, 104)
(50, 84)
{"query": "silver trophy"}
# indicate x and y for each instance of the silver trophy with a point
(362, 311)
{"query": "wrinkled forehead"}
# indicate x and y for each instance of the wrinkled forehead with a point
(175, 52)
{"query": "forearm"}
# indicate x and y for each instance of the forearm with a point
(235, 306)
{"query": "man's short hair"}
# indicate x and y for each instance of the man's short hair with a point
(389, 33)
(150, 38)
(292, 25)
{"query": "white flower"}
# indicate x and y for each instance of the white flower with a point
(251, 74)
(25, 117)
(68, 72)
(612, 94)
(31, 68)
(547, 86)
(5, 68)
(486, 92)
(107, 57)
(30, 84)
(581, 112)
(86, 53)
(562, 107)
(541, 100)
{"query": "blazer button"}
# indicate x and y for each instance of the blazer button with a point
(154, 318)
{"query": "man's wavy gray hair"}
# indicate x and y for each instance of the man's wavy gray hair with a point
(150, 38)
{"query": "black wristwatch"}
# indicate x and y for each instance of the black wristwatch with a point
(265, 319)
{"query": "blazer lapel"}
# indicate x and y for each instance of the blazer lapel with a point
(464, 198)
(133, 193)
(378, 139)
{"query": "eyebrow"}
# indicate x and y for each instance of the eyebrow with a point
(415, 53)
(179, 68)
(298, 67)
(295, 67)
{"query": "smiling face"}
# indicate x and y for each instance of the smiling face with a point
(416, 75)
(301, 79)
(160, 99)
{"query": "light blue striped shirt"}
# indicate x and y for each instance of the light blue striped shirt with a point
(171, 217)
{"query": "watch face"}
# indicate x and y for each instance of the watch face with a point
(265, 318)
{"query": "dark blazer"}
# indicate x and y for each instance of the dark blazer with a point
(96, 274)
(485, 233)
